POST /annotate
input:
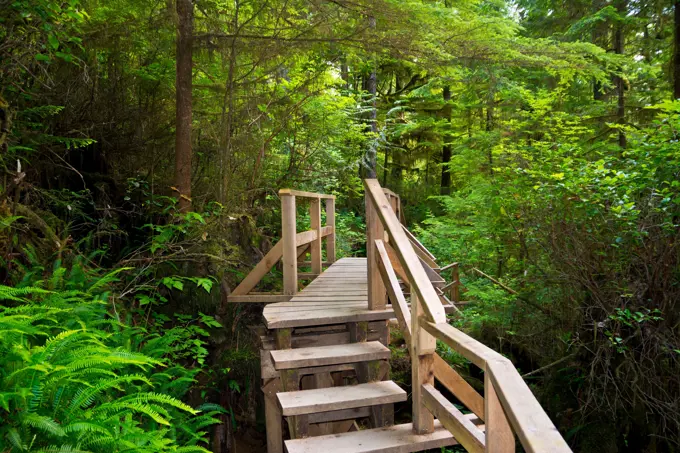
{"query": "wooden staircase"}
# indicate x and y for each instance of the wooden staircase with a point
(325, 350)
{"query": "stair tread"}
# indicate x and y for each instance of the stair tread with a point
(285, 359)
(338, 398)
(391, 439)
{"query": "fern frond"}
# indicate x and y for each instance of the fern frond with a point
(160, 398)
(43, 423)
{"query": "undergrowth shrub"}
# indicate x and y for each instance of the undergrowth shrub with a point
(75, 378)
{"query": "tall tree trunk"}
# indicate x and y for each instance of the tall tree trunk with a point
(445, 188)
(618, 81)
(372, 88)
(228, 107)
(676, 50)
(185, 26)
(598, 37)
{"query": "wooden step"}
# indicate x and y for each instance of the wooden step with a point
(392, 439)
(286, 359)
(338, 398)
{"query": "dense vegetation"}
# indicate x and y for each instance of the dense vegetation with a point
(536, 141)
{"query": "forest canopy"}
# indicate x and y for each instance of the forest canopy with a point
(143, 143)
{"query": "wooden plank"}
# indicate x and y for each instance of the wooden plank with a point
(337, 398)
(330, 297)
(422, 368)
(392, 439)
(345, 414)
(499, 437)
(330, 221)
(330, 316)
(273, 417)
(532, 425)
(434, 277)
(458, 386)
(301, 193)
(467, 346)
(465, 432)
(307, 275)
(394, 292)
(315, 221)
(322, 380)
(258, 298)
(417, 244)
(394, 259)
(289, 238)
(329, 355)
(417, 277)
(377, 295)
(260, 270)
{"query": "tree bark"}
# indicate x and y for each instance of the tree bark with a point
(445, 188)
(183, 81)
(372, 88)
(676, 50)
(618, 81)
(598, 37)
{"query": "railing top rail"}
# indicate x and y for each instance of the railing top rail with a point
(301, 193)
(532, 425)
(402, 246)
(391, 193)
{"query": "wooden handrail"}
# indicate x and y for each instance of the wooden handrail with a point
(300, 193)
(419, 280)
(294, 245)
(508, 404)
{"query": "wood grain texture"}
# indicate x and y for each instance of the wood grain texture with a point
(465, 432)
(339, 398)
(329, 355)
(393, 439)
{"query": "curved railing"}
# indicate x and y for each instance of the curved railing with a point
(508, 407)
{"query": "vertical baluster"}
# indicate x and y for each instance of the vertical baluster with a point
(288, 236)
(315, 220)
(455, 288)
(330, 221)
(499, 436)
(377, 294)
(422, 368)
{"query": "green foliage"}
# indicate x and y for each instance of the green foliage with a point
(75, 379)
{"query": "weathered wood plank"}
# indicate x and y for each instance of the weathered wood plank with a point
(330, 221)
(301, 193)
(499, 437)
(393, 439)
(315, 221)
(288, 236)
(260, 270)
(417, 277)
(329, 355)
(458, 386)
(422, 368)
(465, 432)
(337, 398)
(377, 296)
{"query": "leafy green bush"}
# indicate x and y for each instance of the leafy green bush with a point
(74, 378)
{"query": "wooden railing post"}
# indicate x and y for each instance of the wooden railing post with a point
(455, 287)
(288, 236)
(377, 295)
(423, 347)
(315, 220)
(498, 435)
(330, 221)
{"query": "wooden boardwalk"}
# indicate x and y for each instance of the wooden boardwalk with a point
(325, 349)
(338, 295)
